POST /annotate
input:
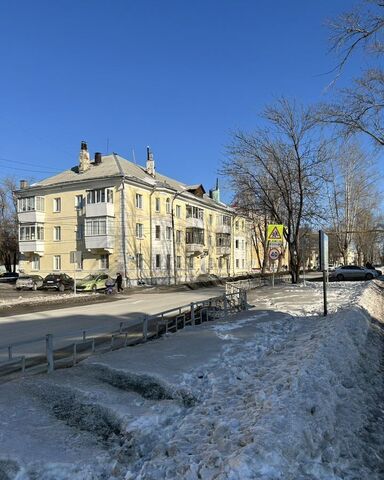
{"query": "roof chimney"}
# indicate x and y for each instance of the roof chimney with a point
(150, 166)
(98, 158)
(84, 158)
(23, 184)
(214, 193)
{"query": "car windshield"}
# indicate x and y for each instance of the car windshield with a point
(88, 278)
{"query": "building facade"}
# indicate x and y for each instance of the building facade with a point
(120, 217)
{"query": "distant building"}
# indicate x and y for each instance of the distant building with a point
(122, 217)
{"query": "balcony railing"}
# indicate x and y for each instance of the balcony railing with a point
(223, 228)
(103, 209)
(100, 242)
(194, 248)
(32, 216)
(32, 246)
(223, 251)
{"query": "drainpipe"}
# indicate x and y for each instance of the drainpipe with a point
(122, 215)
(150, 235)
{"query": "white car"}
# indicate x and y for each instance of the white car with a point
(29, 282)
(353, 272)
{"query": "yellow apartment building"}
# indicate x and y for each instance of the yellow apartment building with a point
(121, 217)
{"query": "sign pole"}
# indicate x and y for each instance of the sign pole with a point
(323, 251)
(325, 293)
(273, 274)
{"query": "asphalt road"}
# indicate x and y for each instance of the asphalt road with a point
(68, 323)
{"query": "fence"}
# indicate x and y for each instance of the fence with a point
(259, 281)
(47, 353)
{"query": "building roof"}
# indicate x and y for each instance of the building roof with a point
(116, 166)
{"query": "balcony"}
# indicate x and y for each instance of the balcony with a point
(100, 242)
(223, 228)
(195, 222)
(102, 209)
(32, 246)
(32, 216)
(195, 248)
(223, 251)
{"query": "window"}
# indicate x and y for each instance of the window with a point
(104, 261)
(237, 263)
(99, 226)
(168, 232)
(190, 262)
(35, 262)
(210, 219)
(57, 205)
(223, 239)
(139, 261)
(194, 235)
(31, 232)
(157, 261)
(100, 195)
(139, 200)
(226, 220)
(178, 262)
(178, 236)
(236, 243)
(157, 232)
(168, 205)
(195, 212)
(168, 262)
(57, 234)
(139, 230)
(157, 204)
(57, 262)
(178, 211)
(30, 204)
(79, 202)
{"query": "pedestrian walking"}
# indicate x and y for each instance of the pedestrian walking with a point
(119, 283)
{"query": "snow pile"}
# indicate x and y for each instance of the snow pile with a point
(296, 400)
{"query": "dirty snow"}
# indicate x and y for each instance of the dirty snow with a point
(279, 392)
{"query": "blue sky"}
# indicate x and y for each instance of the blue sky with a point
(177, 75)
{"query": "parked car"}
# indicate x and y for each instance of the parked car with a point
(353, 272)
(58, 281)
(9, 277)
(92, 283)
(29, 282)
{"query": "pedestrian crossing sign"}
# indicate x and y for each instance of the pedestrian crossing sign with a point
(275, 233)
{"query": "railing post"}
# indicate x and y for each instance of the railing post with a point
(225, 307)
(121, 327)
(49, 352)
(193, 314)
(84, 336)
(145, 328)
(74, 354)
(9, 352)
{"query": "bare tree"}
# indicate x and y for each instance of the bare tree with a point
(359, 108)
(350, 194)
(9, 245)
(280, 166)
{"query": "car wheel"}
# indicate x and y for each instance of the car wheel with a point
(34, 287)
(94, 288)
(340, 277)
(61, 287)
(368, 276)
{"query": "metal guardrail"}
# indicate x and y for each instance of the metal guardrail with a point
(259, 281)
(55, 352)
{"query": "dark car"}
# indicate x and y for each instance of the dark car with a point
(29, 282)
(9, 277)
(58, 281)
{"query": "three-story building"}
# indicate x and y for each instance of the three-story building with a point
(121, 217)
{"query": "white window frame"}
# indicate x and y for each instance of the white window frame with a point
(178, 211)
(139, 230)
(168, 233)
(57, 205)
(157, 204)
(35, 263)
(104, 261)
(57, 233)
(157, 232)
(57, 263)
(157, 261)
(167, 205)
(139, 200)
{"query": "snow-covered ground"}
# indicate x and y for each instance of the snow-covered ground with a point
(279, 392)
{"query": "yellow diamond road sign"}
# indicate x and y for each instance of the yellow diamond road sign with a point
(275, 233)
